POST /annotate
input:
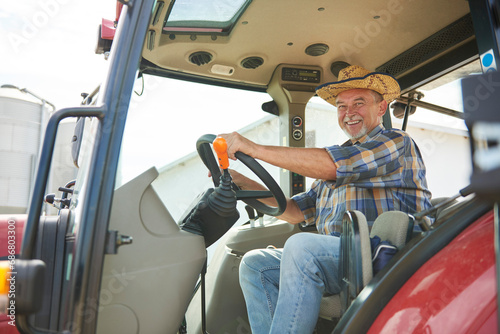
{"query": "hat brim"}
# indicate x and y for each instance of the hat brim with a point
(382, 83)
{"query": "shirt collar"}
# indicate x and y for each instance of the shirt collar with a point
(376, 130)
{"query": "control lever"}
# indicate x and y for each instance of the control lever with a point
(419, 215)
(461, 193)
(261, 218)
(251, 215)
(214, 212)
(223, 200)
(64, 200)
(53, 200)
(220, 147)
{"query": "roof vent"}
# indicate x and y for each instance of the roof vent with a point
(252, 62)
(200, 58)
(318, 49)
(337, 66)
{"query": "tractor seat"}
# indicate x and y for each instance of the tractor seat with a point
(356, 257)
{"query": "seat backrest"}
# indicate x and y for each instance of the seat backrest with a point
(355, 257)
(355, 267)
(393, 226)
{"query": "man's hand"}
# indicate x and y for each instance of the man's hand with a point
(292, 214)
(244, 182)
(238, 143)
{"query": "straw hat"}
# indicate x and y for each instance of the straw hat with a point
(357, 77)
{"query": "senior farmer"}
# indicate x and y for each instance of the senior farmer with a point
(377, 170)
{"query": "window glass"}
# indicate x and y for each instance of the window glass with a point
(445, 92)
(166, 120)
(205, 13)
(443, 140)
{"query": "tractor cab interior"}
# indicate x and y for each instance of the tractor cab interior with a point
(142, 255)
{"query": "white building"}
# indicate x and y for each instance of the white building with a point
(23, 118)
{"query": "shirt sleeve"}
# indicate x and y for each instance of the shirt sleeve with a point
(377, 160)
(307, 203)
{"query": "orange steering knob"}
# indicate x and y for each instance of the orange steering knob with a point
(220, 147)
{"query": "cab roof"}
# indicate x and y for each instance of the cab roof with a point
(240, 43)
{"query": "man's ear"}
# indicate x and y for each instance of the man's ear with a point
(382, 108)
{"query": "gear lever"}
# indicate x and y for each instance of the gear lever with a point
(220, 147)
(261, 218)
(223, 200)
(214, 211)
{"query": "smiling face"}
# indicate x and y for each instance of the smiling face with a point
(359, 111)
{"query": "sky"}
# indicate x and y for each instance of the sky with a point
(47, 47)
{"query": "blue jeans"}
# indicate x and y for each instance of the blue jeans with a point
(283, 287)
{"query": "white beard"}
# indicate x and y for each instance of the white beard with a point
(363, 131)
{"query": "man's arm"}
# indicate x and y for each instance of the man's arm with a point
(292, 214)
(311, 162)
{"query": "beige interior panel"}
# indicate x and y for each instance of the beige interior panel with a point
(152, 279)
(278, 31)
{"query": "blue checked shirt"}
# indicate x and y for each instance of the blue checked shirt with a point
(382, 171)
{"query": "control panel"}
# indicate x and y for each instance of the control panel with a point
(298, 184)
(292, 86)
(297, 128)
(300, 75)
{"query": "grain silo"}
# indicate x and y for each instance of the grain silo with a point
(23, 117)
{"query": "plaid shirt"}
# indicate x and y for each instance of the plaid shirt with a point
(382, 171)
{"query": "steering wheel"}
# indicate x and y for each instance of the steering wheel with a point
(248, 196)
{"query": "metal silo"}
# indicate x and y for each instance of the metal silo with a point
(23, 118)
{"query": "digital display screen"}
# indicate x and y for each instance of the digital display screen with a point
(308, 74)
(301, 75)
